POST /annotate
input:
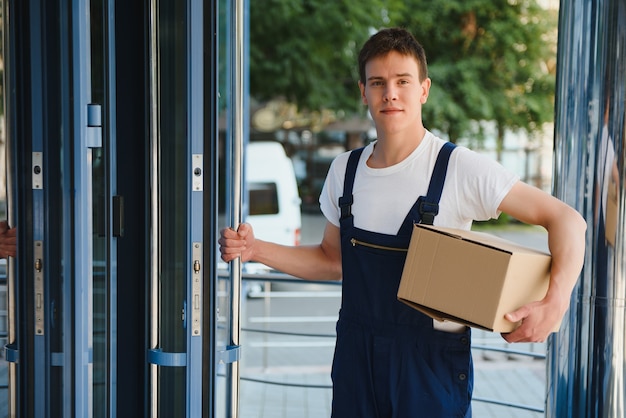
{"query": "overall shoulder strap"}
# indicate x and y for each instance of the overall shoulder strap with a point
(428, 206)
(345, 201)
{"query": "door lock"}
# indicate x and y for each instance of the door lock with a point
(38, 265)
(39, 288)
(196, 290)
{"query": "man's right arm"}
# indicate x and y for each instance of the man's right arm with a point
(312, 262)
(8, 240)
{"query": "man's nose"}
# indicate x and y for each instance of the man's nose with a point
(390, 93)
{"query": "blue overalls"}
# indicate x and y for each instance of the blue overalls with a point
(389, 360)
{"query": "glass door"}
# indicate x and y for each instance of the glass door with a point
(105, 208)
(93, 284)
(176, 303)
(40, 137)
(232, 106)
(62, 287)
(106, 122)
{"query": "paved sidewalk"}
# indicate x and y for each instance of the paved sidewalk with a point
(517, 382)
(4, 392)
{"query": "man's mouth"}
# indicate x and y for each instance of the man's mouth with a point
(391, 110)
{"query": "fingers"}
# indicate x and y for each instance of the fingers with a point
(533, 325)
(228, 232)
(519, 314)
(8, 241)
(526, 333)
(233, 243)
(243, 230)
(7, 252)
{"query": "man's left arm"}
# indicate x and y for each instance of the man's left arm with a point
(566, 241)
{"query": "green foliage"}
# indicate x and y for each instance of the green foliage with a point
(306, 50)
(488, 61)
(502, 220)
(487, 58)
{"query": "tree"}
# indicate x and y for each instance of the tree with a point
(487, 58)
(489, 61)
(305, 50)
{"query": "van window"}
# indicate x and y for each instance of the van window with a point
(263, 198)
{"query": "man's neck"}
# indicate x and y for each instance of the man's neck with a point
(392, 149)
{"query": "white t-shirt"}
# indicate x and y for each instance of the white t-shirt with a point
(474, 187)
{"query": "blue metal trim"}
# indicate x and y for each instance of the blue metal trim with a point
(110, 130)
(161, 358)
(195, 91)
(39, 359)
(231, 354)
(11, 353)
(57, 359)
(66, 315)
(83, 217)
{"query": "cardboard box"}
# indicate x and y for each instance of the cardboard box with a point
(610, 221)
(471, 277)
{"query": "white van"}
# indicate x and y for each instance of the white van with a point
(273, 199)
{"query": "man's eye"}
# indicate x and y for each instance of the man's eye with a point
(376, 83)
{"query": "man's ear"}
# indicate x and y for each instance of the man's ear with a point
(425, 90)
(362, 88)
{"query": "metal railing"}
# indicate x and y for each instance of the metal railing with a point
(490, 344)
(487, 344)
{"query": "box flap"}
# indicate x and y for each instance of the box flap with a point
(442, 316)
(482, 238)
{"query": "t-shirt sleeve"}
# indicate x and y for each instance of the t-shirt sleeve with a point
(482, 184)
(333, 189)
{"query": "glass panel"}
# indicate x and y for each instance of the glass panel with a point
(4, 398)
(173, 203)
(101, 242)
(263, 198)
(223, 286)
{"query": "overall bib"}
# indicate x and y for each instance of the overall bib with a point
(389, 361)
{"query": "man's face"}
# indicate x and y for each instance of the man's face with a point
(393, 92)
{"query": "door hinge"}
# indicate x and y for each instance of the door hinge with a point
(94, 126)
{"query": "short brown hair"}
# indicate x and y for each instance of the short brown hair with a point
(393, 39)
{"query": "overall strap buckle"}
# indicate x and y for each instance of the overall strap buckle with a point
(345, 204)
(345, 201)
(428, 206)
(427, 210)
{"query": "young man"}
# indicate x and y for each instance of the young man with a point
(390, 360)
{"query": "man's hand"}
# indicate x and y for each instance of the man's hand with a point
(538, 320)
(8, 240)
(234, 244)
